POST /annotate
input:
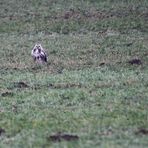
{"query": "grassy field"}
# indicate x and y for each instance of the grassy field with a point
(93, 92)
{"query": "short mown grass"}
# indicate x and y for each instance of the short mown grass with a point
(93, 90)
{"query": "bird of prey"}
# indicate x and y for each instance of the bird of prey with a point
(39, 54)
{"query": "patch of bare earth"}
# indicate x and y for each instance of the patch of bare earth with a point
(135, 61)
(142, 131)
(7, 94)
(58, 137)
(20, 84)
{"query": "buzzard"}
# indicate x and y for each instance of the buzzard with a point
(39, 54)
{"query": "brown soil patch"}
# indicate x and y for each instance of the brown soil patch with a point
(102, 64)
(63, 137)
(20, 85)
(5, 94)
(135, 61)
(142, 131)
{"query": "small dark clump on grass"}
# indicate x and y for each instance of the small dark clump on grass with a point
(63, 137)
(20, 85)
(142, 131)
(135, 61)
(5, 94)
(2, 131)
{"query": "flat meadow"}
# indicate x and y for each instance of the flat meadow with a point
(92, 92)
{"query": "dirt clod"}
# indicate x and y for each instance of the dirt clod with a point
(20, 84)
(5, 94)
(102, 63)
(142, 131)
(135, 61)
(62, 136)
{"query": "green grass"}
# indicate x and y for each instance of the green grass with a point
(88, 88)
